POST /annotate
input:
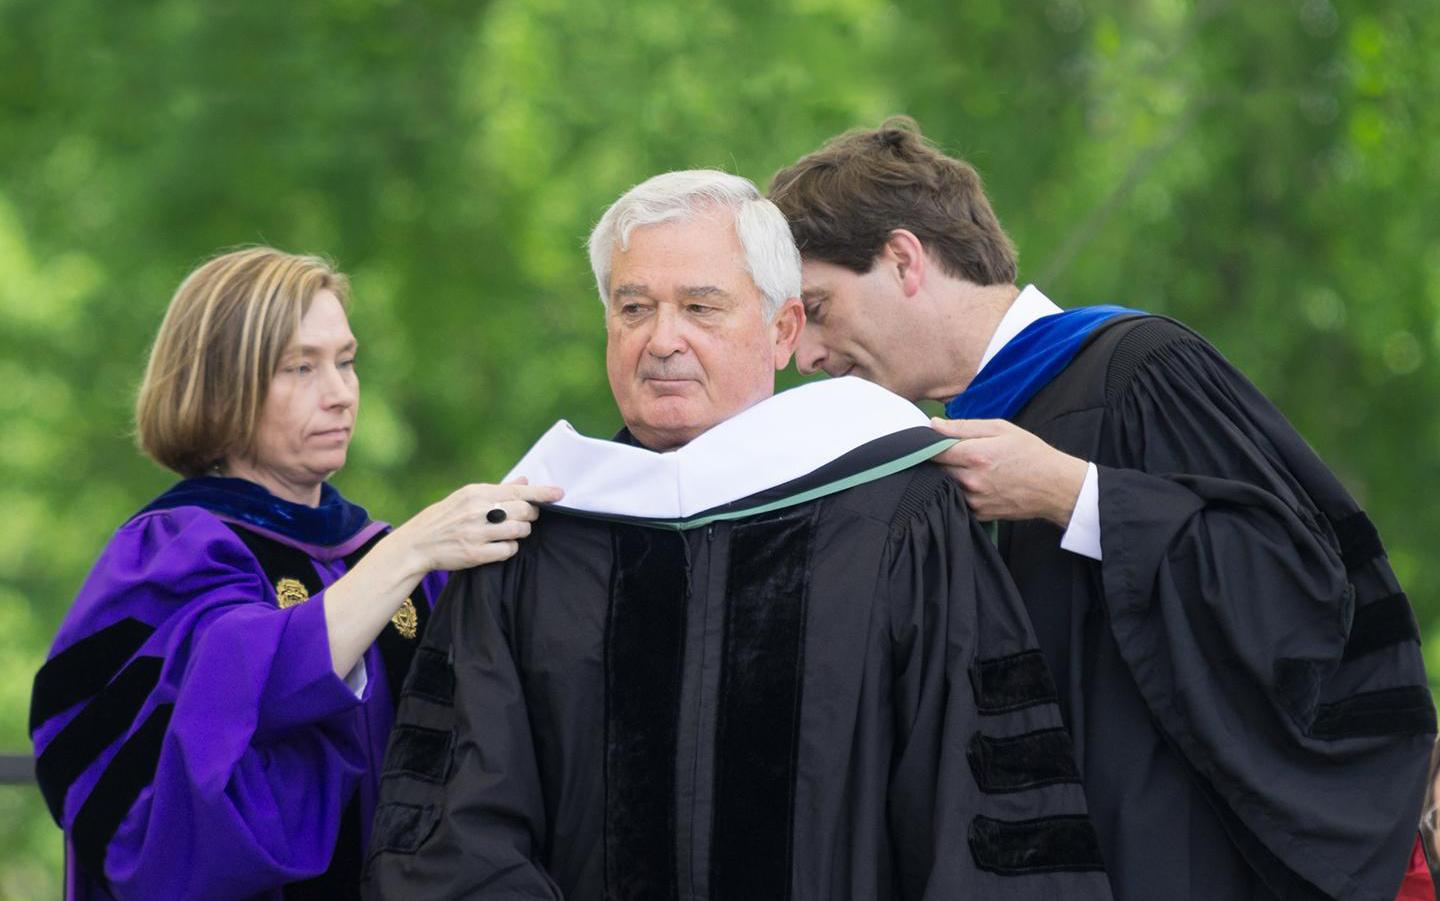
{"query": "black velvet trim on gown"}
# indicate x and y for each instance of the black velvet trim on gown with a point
(1380, 624)
(1389, 711)
(644, 653)
(1003, 684)
(419, 752)
(128, 773)
(83, 669)
(280, 560)
(758, 719)
(402, 828)
(1020, 762)
(1359, 540)
(396, 650)
(1041, 845)
(431, 677)
(102, 723)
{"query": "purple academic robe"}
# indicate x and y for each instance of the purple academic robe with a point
(256, 745)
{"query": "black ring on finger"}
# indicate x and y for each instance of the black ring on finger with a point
(495, 515)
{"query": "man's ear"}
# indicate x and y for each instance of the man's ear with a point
(788, 322)
(904, 251)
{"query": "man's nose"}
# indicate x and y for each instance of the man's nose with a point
(667, 336)
(809, 353)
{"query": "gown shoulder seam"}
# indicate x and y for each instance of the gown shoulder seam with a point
(1137, 346)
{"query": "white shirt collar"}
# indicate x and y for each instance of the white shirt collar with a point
(1027, 307)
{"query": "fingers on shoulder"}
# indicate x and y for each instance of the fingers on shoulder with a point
(535, 494)
(972, 454)
(510, 530)
(965, 454)
(495, 551)
(970, 428)
(481, 496)
(522, 511)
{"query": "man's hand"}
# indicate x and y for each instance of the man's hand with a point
(1008, 473)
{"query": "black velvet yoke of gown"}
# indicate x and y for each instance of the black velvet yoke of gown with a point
(1242, 675)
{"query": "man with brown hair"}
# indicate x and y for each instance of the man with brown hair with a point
(1236, 662)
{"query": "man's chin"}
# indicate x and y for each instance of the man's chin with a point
(664, 430)
(667, 426)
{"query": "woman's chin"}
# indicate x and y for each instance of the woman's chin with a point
(326, 465)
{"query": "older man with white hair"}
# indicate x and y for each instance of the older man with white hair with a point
(762, 651)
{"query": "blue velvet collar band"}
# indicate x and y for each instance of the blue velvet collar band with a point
(335, 519)
(1028, 363)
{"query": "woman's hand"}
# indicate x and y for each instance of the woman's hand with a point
(453, 533)
(457, 532)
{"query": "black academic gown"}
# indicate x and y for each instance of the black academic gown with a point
(1242, 674)
(841, 699)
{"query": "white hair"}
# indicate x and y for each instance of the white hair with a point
(770, 252)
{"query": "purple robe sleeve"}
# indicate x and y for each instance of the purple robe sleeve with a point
(217, 756)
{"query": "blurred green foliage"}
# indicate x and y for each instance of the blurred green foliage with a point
(1266, 172)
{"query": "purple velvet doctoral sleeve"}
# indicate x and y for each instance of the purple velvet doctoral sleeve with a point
(216, 761)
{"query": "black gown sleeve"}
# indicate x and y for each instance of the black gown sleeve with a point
(986, 800)
(461, 812)
(1252, 602)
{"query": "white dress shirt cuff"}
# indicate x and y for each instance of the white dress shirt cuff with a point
(1082, 536)
(358, 678)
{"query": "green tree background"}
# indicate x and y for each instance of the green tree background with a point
(1267, 172)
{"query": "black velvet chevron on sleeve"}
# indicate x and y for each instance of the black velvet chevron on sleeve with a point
(431, 677)
(402, 828)
(102, 722)
(1359, 540)
(129, 772)
(1021, 762)
(1389, 711)
(1380, 624)
(1040, 845)
(83, 669)
(1013, 682)
(419, 752)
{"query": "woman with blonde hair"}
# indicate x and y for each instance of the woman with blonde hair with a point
(211, 718)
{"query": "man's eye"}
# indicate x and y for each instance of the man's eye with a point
(814, 312)
(698, 309)
(630, 309)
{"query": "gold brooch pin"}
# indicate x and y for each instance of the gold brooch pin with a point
(289, 592)
(406, 619)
